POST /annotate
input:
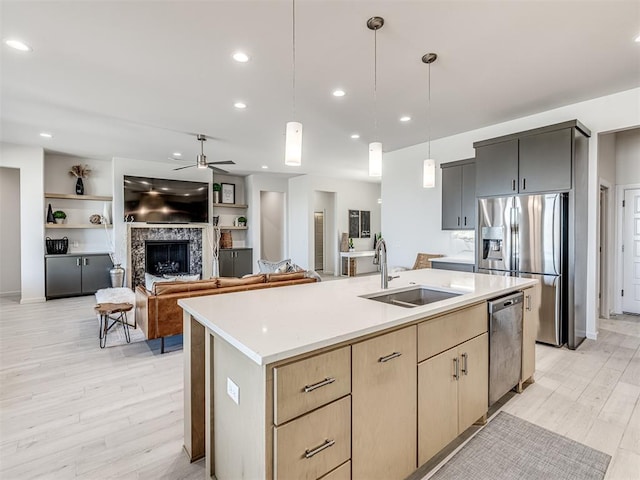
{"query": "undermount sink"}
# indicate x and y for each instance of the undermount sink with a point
(412, 297)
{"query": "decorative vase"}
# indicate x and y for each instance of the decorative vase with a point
(50, 218)
(79, 186)
(225, 240)
(117, 276)
(216, 196)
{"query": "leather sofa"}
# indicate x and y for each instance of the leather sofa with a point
(159, 315)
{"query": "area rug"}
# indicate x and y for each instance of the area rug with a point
(511, 448)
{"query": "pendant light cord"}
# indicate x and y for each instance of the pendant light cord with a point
(375, 82)
(293, 22)
(429, 107)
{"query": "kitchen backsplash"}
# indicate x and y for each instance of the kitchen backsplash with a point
(463, 241)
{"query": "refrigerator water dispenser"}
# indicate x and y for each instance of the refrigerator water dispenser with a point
(492, 238)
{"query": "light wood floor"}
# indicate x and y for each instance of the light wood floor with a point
(71, 410)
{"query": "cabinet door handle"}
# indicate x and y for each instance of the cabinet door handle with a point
(524, 184)
(513, 184)
(458, 221)
(527, 302)
(78, 262)
(314, 451)
(389, 357)
(465, 221)
(456, 371)
(326, 381)
(85, 261)
(465, 368)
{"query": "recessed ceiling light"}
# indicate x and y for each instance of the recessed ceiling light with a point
(265, 167)
(46, 135)
(240, 105)
(177, 154)
(338, 93)
(355, 135)
(18, 45)
(241, 57)
(406, 118)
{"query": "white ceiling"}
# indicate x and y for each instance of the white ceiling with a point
(134, 78)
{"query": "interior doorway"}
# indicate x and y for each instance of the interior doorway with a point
(272, 226)
(10, 245)
(603, 250)
(631, 252)
(318, 239)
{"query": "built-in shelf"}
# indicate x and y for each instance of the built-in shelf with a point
(231, 227)
(230, 205)
(69, 196)
(76, 225)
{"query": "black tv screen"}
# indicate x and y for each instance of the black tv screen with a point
(157, 200)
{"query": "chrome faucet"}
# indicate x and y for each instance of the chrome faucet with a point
(380, 258)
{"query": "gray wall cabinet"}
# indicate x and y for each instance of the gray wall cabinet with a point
(459, 195)
(458, 267)
(235, 262)
(73, 275)
(536, 161)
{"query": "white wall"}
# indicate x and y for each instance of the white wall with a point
(412, 215)
(255, 184)
(627, 147)
(272, 226)
(350, 195)
(10, 231)
(30, 161)
(325, 202)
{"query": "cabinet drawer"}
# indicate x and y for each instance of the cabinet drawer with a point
(314, 444)
(343, 472)
(302, 386)
(442, 333)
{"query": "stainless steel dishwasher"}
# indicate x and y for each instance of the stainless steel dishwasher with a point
(505, 344)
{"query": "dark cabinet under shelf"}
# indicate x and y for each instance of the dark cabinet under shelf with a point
(74, 275)
(235, 262)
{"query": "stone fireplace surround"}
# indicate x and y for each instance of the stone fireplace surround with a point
(138, 236)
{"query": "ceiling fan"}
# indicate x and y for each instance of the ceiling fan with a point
(201, 161)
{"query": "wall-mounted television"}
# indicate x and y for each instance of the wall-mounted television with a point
(158, 200)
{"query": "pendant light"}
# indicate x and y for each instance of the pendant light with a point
(293, 135)
(429, 165)
(202, 159)
(375, 148)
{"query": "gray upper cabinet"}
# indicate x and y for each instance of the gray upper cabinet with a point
(545, 162)
(458, 195)
(535, 161)
(497, 169)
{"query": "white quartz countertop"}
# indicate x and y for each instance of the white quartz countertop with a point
(460, 258)
(274, 324)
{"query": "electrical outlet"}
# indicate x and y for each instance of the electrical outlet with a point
(233, 391)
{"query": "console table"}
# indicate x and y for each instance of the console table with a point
(353, 255)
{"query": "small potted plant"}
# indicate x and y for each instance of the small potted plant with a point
(217, 188)
(351, 249)
(80, 172)
(59, 216)
(242, 221)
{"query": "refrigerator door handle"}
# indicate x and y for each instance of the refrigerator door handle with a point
(515, 257)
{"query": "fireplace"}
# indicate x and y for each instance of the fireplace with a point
(167, 257)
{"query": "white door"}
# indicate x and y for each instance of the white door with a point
(631, 254)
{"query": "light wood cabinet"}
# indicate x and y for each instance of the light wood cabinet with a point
(307, 384)
(531, 318)
(453, 392)
(384, 388)
(314, 444)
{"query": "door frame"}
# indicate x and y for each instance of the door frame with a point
(604, 235)
(324, 239)
(619, 282)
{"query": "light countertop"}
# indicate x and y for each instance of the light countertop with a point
(467, 258)
(273, 324)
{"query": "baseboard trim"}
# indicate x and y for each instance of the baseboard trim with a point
(10, 294)
(25, 301)
(592, 335)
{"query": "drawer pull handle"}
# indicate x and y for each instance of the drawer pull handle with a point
(389, 357)
(326, 381)
(314, 451)
(465, 368)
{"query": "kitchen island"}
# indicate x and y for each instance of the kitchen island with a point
(316, 381)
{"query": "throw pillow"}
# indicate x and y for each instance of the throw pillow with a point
(187, 278)
(150, 280)
(265, 266)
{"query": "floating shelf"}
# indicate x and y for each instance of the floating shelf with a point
(69, 196)
(231, 227)
(75, 225)
(230, 205)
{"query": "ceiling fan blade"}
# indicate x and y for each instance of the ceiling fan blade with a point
(217, 170)
(222, 162)
(187, 166)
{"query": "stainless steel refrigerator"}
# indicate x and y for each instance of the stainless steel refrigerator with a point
(526, 236)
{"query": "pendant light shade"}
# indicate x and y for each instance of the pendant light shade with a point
(293, 144)
(293, 135)
(429, 165)
(429, 173)
(375, 159)
(375, 148)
